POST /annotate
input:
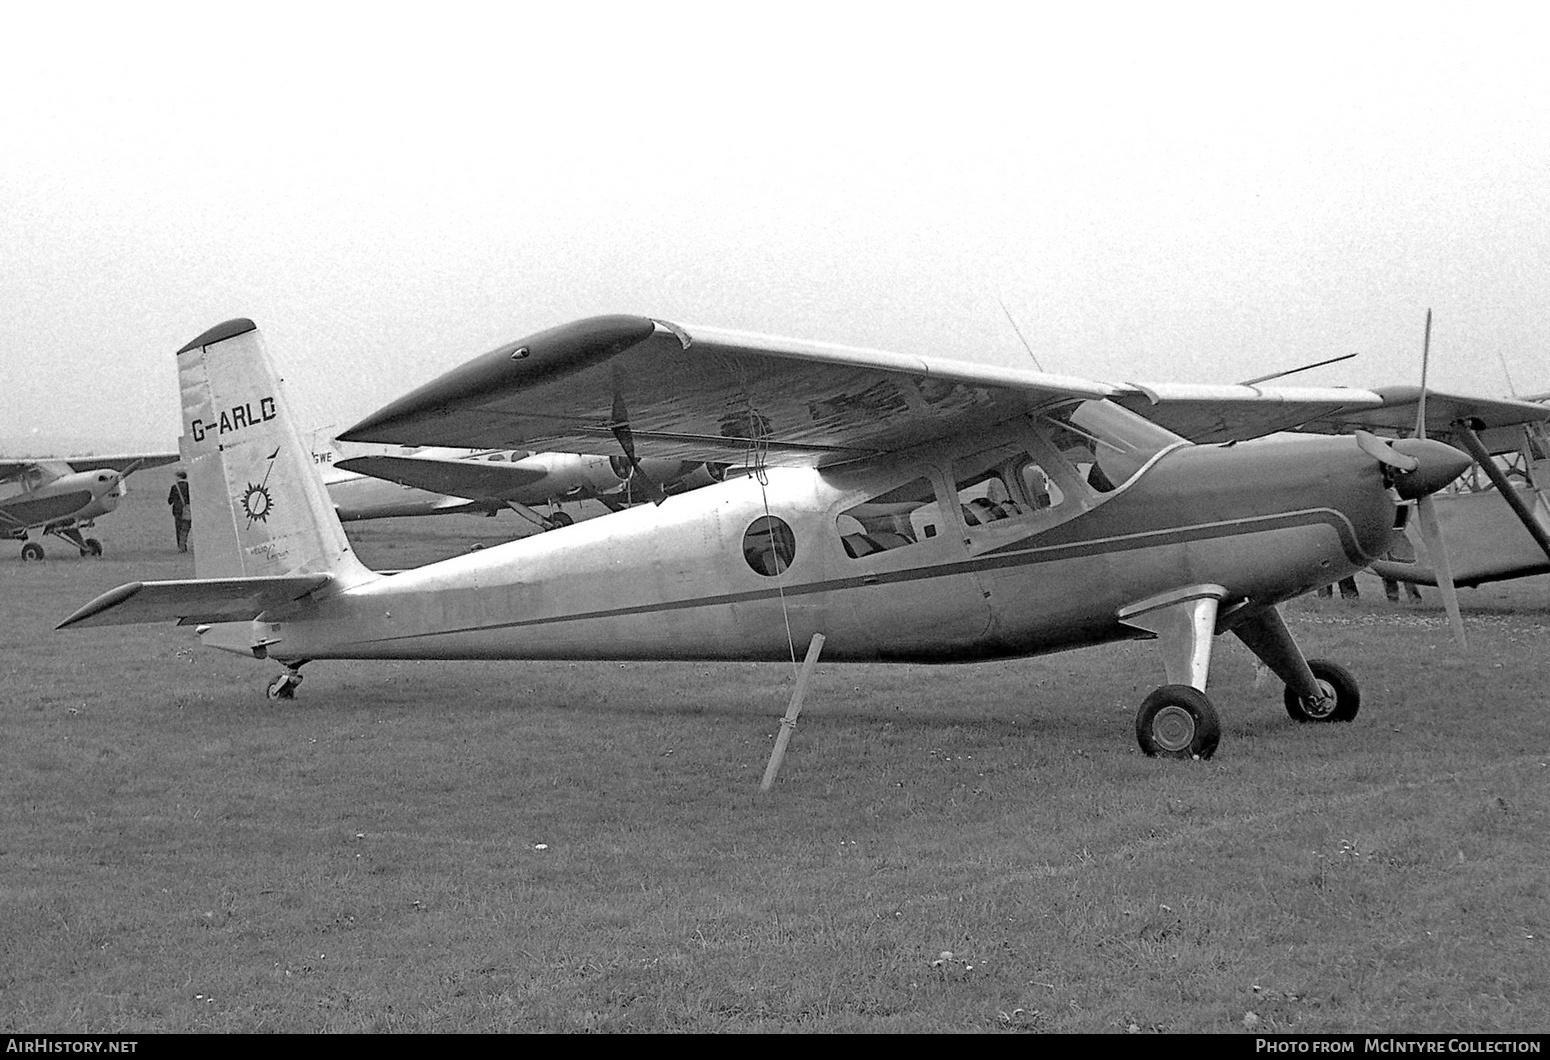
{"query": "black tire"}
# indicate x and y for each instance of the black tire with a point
(1345, 695)
(1178, 721)
(32, 550)
(561, 519)
(93, 547)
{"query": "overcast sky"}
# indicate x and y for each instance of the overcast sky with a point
(1159, 192)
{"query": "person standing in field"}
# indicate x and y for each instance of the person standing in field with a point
(182, 513)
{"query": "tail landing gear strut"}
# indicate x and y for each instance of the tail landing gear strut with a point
(284, 685)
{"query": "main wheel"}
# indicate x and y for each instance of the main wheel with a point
(93, 547)
(561, 519)
(283, 687)
(1178, 721)
(32, 550)
(1340, 701)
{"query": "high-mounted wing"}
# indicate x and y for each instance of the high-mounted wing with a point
(122, 462)
(1444, 412)
(1209, 414)
(10, 469)
(707, 394)
(195, 600)
(472, 479)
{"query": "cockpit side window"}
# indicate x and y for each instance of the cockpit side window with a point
(899, 518)
(1107, 444)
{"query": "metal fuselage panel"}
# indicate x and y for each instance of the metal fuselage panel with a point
(670, 581)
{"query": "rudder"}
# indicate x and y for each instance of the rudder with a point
(259, 504)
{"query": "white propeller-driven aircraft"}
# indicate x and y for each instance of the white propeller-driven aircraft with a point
(446, 482)
(909, 509)
(64, 496)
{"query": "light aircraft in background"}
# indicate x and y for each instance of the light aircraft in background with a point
(909, 509)
(444, 481)
(64, 496)
(1495, 519)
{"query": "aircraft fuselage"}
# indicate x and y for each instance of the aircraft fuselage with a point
(707, 575)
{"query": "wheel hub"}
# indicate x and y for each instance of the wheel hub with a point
(1323, 704)
(1173, 728)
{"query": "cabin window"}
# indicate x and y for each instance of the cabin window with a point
(1004, 483)
(900, 517)
(769, 546)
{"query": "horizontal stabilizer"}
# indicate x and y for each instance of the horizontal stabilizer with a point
(195, 600)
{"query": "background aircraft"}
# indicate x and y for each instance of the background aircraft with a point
(64, 496)
(1495, 519)
(442, 481)
(908, 509)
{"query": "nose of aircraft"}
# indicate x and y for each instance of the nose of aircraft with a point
(1440, 464)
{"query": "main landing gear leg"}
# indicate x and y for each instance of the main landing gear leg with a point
(284, 686)
(1316, 689)
(88, 546)
(1178, 720)
(537, 518)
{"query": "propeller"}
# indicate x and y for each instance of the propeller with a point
(1431, 531)
(121, 484)
(1385, 454)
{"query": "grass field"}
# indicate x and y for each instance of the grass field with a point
(550, 846)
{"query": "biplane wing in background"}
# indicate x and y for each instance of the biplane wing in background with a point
(908, 509)
(65, 495)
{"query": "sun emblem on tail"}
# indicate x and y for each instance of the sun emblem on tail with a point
(257, 502)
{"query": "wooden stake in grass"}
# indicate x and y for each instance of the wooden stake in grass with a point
(789, 722)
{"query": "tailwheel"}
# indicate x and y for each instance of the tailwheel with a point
(284, 686)
(92, 547)
(1178, 721)
(1340, 698)
(32, 550)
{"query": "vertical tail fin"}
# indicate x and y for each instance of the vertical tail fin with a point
(259, 505)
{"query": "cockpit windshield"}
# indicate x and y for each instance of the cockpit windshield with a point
(1107, 443)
